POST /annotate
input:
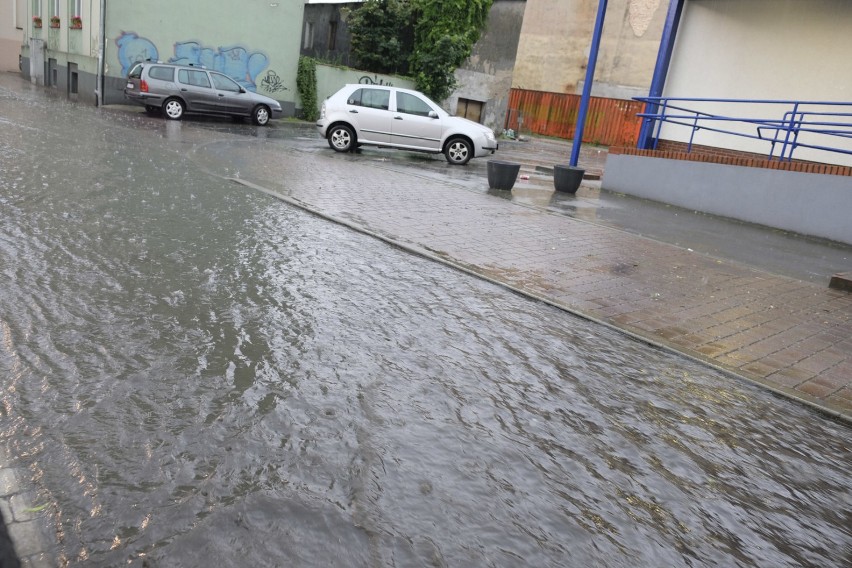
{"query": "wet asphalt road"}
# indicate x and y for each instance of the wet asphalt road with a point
(195, 373)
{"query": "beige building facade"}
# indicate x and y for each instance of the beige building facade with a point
(556, 38)
(13, 19)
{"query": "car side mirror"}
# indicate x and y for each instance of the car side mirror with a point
(433, 114)
(242, 90)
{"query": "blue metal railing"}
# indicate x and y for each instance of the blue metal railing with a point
(800, 124)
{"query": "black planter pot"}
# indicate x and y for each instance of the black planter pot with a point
(567, 178)
(502, 175)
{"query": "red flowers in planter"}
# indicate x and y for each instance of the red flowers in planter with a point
(54, 21)
(36, 21)
(76, 23)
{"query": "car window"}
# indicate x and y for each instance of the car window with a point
(372, 98)
(411, 104)
(135, 72)
(162, 73)
(224, 83)
(194, 78)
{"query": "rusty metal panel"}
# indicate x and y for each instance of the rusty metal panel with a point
(610, 122)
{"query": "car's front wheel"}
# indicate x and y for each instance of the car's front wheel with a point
(173, 109)
(260, 116)
(458, 151)
(341, 138)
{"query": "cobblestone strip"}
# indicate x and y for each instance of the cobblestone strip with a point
(22, 518)
(793, 337)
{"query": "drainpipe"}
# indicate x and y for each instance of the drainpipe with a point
(587, 86)
(101, 55)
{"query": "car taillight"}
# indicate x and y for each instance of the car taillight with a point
(143, 86)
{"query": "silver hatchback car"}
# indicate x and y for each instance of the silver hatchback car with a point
(179, 89)
(378, 115)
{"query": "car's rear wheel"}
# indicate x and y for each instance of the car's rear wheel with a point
(341, 138)
(458, 151)
(173, 109)
(260, 116)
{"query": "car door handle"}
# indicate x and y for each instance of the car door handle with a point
(397, 118)
(183, 90)
(353, 111)
(221, 95)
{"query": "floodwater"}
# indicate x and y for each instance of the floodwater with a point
(197, 374)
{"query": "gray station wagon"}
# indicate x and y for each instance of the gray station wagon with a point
(179, 89)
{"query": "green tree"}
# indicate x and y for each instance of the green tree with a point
(382, 35)
(445, 33)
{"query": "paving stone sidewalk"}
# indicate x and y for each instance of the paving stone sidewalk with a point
(793, 337)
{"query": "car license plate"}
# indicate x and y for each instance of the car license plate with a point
(129, 85)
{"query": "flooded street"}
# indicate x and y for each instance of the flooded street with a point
(194, 373)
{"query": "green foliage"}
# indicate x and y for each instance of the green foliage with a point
(428, 39)
(306, 83)
(445, 33)
(382, 35)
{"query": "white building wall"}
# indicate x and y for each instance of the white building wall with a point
(763, 49)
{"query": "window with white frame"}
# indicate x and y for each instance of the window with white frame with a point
(54, 7)
(36, 8)
(77, 8)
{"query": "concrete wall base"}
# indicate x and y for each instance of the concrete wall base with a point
(805, 203)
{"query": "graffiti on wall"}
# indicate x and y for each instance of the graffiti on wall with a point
(374, 80)
(272, 82)
(235, 61)
(132, 48)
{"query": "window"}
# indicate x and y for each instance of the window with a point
(194, 78)
(162, 73)
(54, 8)
(410, 104)
(77, 8)
(224, 83)
(332, 36)
(135, 72)
(471, 110)
(309, 36)
(371, 98)
(36, 8)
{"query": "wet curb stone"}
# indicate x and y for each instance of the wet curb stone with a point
(22, 540)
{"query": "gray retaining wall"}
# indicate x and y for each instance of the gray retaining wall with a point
(810, 204)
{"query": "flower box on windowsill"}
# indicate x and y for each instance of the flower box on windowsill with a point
(54, 22)
(76, 23)
(36, 22)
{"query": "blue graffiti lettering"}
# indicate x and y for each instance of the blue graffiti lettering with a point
(235, 61)
(132, 48)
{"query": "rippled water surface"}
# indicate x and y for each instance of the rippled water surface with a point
(196, 374)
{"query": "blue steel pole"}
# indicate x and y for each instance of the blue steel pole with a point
(661, 70)
(587, 86)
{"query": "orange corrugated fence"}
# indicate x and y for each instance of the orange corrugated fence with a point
(609, 122)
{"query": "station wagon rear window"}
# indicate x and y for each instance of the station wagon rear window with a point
(136, 72)
(162, 73)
